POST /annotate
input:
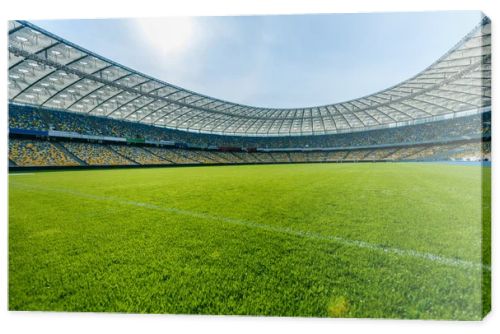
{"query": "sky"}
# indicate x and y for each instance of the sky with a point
(275, 61)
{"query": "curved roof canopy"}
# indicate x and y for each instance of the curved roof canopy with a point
(48, 71)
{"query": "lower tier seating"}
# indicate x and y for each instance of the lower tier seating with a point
(37, 152)
(96, 154)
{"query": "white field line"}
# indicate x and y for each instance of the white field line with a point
(454, 262)
(19, 174)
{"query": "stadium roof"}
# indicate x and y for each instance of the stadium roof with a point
(48, 71)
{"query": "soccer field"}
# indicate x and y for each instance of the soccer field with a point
(340, 240)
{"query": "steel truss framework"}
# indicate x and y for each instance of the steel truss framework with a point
(48, 71)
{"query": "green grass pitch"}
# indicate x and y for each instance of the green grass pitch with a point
(329, 240)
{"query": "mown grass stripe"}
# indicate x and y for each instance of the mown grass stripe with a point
(454, 262)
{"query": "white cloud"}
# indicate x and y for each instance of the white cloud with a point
(178, 50)
(170, 37)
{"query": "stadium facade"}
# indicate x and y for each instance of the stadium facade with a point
(71, 107)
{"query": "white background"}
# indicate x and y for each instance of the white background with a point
(44, 322)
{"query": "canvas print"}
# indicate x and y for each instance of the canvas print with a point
(333, 165)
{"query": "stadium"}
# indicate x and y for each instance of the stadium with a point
(372, 207)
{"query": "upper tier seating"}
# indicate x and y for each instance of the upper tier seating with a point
(43, 119)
